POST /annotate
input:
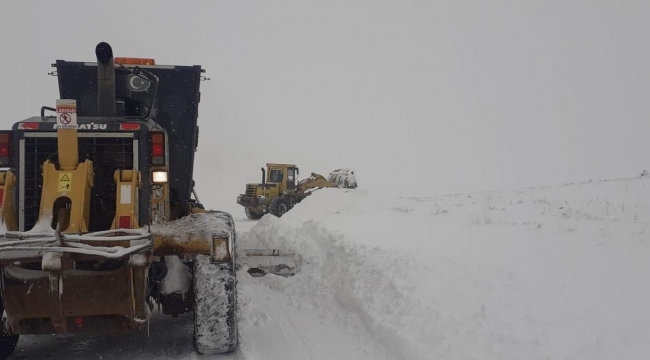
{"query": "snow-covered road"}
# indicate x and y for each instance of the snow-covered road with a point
(552, 273)
(169, 339)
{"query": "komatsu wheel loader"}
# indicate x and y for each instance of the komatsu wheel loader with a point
(101, 218)
(280, 190)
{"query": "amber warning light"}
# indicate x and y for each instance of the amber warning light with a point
(134, 61)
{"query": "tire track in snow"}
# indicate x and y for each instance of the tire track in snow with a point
(275, 325)
(266, 326)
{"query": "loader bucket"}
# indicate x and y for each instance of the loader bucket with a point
(270, 261)
(343, 178)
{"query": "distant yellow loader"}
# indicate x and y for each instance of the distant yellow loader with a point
(280, 190)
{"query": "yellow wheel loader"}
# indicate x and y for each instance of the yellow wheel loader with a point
(280, 189)
(101, 218)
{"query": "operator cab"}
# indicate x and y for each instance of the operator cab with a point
(283, 174)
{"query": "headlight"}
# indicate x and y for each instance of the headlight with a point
(160, 177)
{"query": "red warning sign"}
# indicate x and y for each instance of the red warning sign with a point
(66, 119)
(66, 114)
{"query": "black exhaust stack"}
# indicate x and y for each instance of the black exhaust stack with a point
(106, 98)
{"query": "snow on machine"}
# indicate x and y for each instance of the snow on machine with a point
(101, 215)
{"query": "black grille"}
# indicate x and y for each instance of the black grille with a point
(251, 190)
(107, 154)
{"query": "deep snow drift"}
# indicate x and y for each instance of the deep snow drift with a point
(552, 273)
(559, 273)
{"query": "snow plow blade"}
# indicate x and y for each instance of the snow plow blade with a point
(269, 261)
(343, 178)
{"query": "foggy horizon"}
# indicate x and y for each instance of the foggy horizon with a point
(419, 97)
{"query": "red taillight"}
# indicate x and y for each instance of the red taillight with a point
(125, 222)
(28, 126)
(5, 147)
(157, 148)
(129, 126)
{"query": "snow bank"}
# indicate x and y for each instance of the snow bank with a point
(558, 272)
(394, 298)
(340, 275)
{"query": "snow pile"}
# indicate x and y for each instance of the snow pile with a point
(558, 272)
(340, 275)
(386, 295)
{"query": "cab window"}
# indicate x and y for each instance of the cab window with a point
(291, 178)
(275, 175)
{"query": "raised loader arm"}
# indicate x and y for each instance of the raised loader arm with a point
(315, 181)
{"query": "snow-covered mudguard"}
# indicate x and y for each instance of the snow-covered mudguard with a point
(209, 239)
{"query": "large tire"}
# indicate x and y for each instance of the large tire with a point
(215, 307)
(253, 215)
(279, 207)
(7, 342)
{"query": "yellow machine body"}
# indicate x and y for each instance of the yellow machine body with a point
(280, 189)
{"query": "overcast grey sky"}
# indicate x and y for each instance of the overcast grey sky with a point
(420, 97)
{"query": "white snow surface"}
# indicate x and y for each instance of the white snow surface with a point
(543, 273)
